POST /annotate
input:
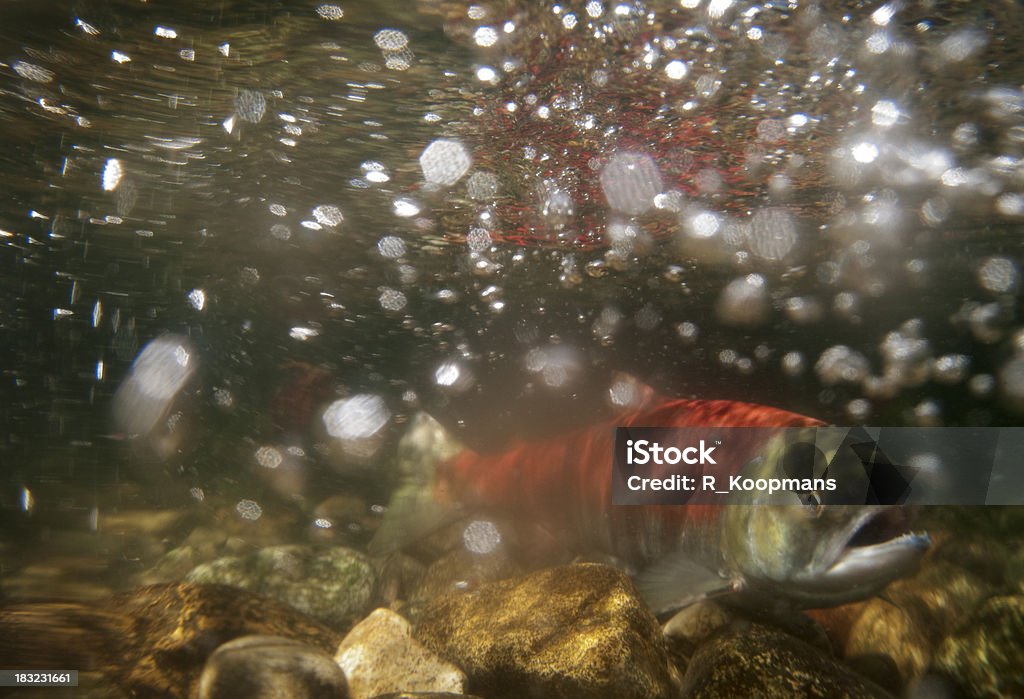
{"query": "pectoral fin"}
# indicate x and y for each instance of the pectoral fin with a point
(678, 581)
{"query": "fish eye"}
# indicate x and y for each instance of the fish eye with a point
(812, 505)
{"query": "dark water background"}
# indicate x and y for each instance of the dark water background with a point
(88, 277)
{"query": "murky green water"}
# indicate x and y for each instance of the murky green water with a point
(336, 217)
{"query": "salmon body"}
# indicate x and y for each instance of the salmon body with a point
(557, 493)
(563, 484)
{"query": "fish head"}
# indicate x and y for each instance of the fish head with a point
(814, 555)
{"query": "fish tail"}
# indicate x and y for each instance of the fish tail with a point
(419, 505)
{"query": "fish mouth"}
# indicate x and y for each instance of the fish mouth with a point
(878, 549)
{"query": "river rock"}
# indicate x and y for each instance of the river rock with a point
(425, 695)
(267, 667)
(152, 641)
(573, 631)
(380, 656)
(984, 655)
(915, 617)
(751, 660)
(461, 570)
(691, 626)
(334, 585)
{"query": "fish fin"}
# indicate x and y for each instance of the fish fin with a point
(412, 514)
(678, 581)
(415, 511)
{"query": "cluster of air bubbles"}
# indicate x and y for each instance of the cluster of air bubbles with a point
(556, 365)
(906, 356)
(330, 12)
(625, 238)
(250, 106)
(571, 275)
(394, 46)
(374, 172)
(731, 359)
(744, 301)
(158, 374)
(197, 299)
(630, 182)
(444, 162)
(840, 364)
(951, 368)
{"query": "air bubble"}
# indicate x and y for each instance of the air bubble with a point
(250, 106)
(444, 162)
(840, 364)
(481, 537)
(998, 275)
(744, 301)
(630, 182)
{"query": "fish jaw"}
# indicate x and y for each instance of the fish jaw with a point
(873, 550)
(858, 567)
(825, 556)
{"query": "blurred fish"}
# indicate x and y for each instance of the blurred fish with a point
(557, 494)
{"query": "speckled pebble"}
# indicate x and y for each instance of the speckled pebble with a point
(379, 656)
(758, 661)
(575, 631)
(984, 655)
(333, 585)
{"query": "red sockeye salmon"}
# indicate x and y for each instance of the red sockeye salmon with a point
(801, 556)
